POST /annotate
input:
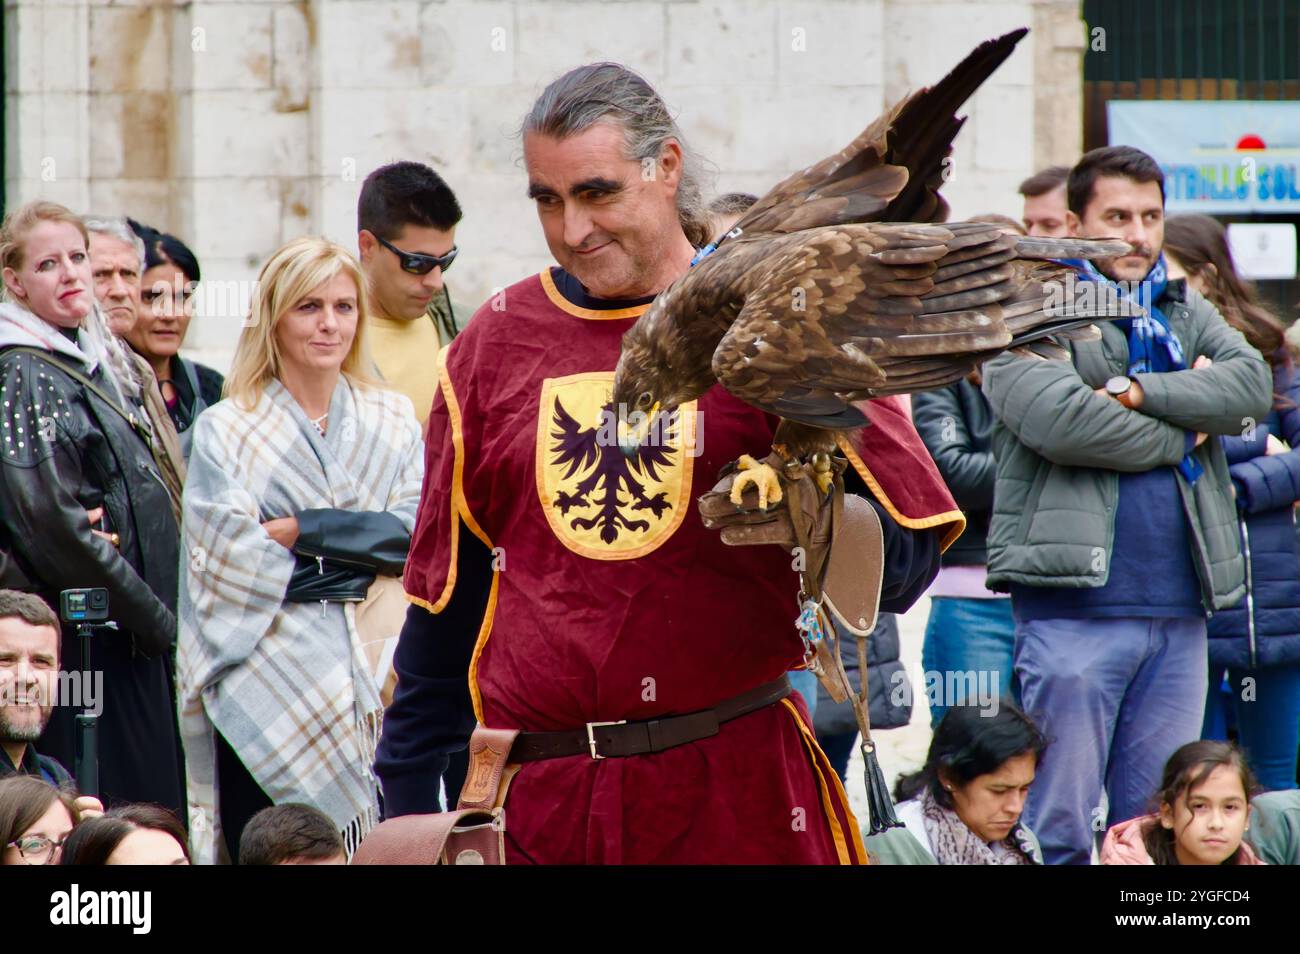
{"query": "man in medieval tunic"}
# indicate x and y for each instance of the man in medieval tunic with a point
(561, 587)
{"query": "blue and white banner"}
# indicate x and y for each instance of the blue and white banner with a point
(1226, 156)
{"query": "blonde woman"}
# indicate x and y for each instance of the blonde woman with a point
(82, 502)
(303, 485)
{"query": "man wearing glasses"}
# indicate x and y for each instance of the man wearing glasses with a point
(406, 225)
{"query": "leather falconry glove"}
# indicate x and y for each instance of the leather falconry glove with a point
(843, 552)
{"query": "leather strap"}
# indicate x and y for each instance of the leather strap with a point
(860, 553)
(137, 424)
(488, 753)
(618, 740)
(804, 505)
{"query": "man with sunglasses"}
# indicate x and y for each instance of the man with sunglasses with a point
(406, 225)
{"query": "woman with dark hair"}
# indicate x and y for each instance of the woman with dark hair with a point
(1259, 638)
(1198, 247)
(130, 835)
(35, 821)
(963, 807)
(167, 285)
(1203, 813)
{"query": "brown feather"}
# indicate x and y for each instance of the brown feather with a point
(814, 306)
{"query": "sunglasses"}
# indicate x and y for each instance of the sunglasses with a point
(418, 264)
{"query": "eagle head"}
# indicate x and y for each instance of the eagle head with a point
(641, 389)
(654, 377)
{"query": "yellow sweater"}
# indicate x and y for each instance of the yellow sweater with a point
(406, 354)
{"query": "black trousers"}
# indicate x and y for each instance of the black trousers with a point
(454, 777)
(239, 797)
(139, 750)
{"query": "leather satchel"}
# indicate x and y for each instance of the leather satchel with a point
(473, 834)
(469, 837)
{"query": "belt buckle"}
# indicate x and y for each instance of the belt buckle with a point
(591, 736)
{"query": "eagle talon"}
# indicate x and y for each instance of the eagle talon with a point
(822, 473)
(762, 476)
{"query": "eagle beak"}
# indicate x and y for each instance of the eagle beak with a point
(632, 437)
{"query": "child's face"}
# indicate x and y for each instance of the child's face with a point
(1209, 823)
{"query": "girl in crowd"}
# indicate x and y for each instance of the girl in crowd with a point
(1204, 811)
(963, 807)
(35, 821)
(1258, 639)
(171, 273)
(303, 485)
(130, 835)
(82, 500)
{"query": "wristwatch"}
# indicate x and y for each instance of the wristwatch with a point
(1119, 388)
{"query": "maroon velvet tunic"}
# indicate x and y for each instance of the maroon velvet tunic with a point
(610, 600)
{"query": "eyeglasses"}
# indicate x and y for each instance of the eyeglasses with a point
(418, 264)
(37, 850)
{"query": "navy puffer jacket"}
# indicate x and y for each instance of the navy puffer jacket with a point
(1264, 628)
(886, 706)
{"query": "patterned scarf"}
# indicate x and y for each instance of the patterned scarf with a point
(1152, 345)
(955, 844)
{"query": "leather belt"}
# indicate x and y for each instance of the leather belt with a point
(602, 740)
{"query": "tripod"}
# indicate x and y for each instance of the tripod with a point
(87, 759)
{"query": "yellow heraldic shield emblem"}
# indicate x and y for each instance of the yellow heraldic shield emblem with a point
(600, 501)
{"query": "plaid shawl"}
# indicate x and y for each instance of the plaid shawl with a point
(286, 684)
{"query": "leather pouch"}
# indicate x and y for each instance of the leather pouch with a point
(473, 834)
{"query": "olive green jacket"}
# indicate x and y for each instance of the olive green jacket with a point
(1275, 827)
(1060, 449)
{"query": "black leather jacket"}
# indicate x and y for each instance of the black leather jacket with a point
(341, 551)
(66, 451)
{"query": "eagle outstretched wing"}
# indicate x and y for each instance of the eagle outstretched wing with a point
(851, 312)
(574, 445)
(814, 303)
(894, 168)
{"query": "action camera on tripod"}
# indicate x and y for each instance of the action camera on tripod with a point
(87, 609)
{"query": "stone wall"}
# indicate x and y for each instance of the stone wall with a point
(239, 124)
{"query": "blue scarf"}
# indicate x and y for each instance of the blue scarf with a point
(1152, 346)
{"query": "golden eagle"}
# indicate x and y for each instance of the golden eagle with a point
(835, 288)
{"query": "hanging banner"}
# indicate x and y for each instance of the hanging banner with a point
(1263, 250)
(1218, 157)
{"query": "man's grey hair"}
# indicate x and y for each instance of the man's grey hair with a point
(610, 92)
(121, 365)
(115, 226)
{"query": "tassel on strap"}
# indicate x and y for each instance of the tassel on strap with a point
(880, 807)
